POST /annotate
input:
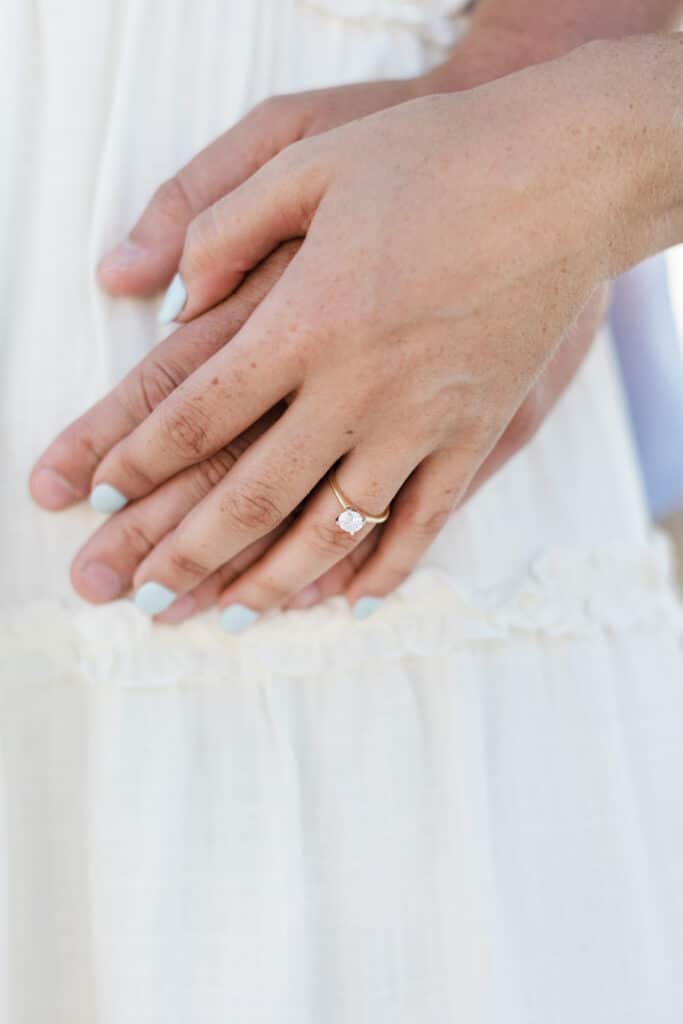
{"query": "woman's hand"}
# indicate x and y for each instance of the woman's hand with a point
(103, 569)
(402, 326)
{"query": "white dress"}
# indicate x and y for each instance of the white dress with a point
(467, 808)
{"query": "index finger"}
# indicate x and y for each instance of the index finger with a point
(63, 474)
(148, 258)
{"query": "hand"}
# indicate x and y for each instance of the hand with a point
(395, 363)
(103, 569)
(147, 260)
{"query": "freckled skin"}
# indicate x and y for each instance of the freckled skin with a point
(401, 385)
(431, 358)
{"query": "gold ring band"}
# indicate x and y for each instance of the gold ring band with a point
(352, 519)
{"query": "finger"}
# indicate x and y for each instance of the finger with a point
(336, 579)
(230, 237)
(63, 474)
(267, 484)
(147, 260)
(419, 512)
(315, 542)
(104, 567)
(220, 400)
(206, 594)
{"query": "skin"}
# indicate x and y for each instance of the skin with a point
(155, 509)
(105, 566)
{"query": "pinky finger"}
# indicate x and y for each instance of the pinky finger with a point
(419, 512)
(336, 579)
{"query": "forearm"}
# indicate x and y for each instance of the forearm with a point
(505, 36)
(630, 140)
(572, 22)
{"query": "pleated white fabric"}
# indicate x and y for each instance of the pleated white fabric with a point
(466, 809)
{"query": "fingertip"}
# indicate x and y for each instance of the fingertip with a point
(95, 581)
(134, 270)
(114, 269)
(173, 302)
(106, 499)
(51, 490)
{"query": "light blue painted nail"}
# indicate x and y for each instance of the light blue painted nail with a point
(237, 617)
(365, 606)
(173, 301)
(153, 598)
(106, 499)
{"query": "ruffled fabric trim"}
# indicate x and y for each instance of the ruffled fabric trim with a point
(434, 20)
(563, 592)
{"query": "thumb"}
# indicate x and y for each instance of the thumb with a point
(147, 259)
(227, 240)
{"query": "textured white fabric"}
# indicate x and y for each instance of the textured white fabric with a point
(464, 810)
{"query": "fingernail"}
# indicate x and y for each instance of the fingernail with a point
(106, 499)
(365, 606)
(52, 490)
(173, 301)
(179, 610)
(154, 598)
(102, 583)
(126, 255)
(306, 597)
(237, 617)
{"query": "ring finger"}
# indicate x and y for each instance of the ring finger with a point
(316, 542)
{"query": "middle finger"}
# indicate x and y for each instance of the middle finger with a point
(104, 567)
(267, 484)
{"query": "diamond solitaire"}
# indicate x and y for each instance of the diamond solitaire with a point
(350, 520)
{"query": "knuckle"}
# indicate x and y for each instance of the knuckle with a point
(135, 537)
(156, 381)
(254, 509)
(202, 241)
(91, 453)
(134, 471)
(183, 562)
(269, 591)
(186, 429)
(328, 540)
(212, 471)
(426, 523)
(172, 199)
(291, 157)
(275, 105)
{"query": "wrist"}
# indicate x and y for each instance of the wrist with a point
(608, 120)
(502, 37)
(634, 87)
(492, 48)
(483, 55)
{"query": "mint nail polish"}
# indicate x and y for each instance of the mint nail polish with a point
(106, 499)
(365, 607)
(154, 598)
(173, 301)
(237, 617)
